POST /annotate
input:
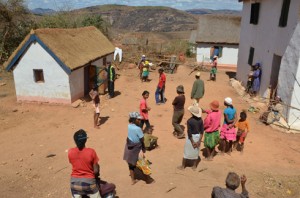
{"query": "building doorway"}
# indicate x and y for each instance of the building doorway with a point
(274, 75)
(90, 78)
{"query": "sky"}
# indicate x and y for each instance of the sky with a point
(178, 4)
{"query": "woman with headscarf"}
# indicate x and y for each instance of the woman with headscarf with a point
(134, 143)
(256, 78)
(228, 134)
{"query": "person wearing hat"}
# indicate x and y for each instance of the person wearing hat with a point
(134, 143)
(85, 168)
(212, 124)
(213, 71)
(178, 106)
(256, 79)
(198, 89)
(160, 90)
(228, 134)
(194, 135)
(96, 100)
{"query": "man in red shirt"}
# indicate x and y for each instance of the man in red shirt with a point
(160, 90)
(85, 168)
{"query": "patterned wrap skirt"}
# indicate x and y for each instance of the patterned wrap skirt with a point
(211, 139)
(228, 133)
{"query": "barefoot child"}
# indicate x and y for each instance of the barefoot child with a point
(96, 100)
(144, 109)
(242, 130)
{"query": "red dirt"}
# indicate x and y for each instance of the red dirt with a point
(31, 131)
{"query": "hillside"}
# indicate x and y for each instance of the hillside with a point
(144, 19)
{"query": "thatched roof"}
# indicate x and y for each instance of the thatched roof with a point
(219, 29)
(71, 48)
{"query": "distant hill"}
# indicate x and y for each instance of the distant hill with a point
(209, 11)
(42, 11)
(144, 18)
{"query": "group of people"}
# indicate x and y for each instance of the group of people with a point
(85, 167)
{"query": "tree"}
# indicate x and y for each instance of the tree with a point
(15, 23)
(97, 21)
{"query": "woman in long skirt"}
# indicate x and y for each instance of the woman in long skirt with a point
(192, 145)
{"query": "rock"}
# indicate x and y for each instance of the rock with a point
(14, 110)
(2, 84)
(50, 155)
(76, 103)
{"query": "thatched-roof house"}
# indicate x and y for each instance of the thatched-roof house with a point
(218, 35)
(58, 65)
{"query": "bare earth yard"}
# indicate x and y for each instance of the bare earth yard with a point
(29, 132)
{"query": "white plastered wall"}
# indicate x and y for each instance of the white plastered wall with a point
(229, 54)
(289, 80)
(266, 37)
(56, 86)
(77, 84)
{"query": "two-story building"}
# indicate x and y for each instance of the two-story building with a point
(270, 35)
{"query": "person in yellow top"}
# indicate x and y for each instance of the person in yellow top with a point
(243, 129)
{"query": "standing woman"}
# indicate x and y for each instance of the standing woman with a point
(195, 131)
(256, 78)
(228, 134)
(134, 143)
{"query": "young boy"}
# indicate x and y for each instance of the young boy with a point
(144, 109)
(243, 129)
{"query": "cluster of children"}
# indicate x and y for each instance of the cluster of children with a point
(232, 133)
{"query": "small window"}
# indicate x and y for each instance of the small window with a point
(38, 75)
(254, 13)
(284, 13)
(251, 54)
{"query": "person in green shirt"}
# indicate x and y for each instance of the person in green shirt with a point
(198, 89)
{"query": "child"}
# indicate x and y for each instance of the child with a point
(144, 109)
(145, 72)
(249, 81)
(242, 130)
(213, 71)
(150, 141)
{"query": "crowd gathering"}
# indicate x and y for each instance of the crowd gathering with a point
(203, 125)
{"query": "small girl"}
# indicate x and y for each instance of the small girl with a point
(144, 109)
(242, 130)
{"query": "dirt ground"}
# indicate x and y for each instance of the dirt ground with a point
(29, 132)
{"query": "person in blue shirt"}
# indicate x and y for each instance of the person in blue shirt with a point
(134, 143)
(228, 134)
